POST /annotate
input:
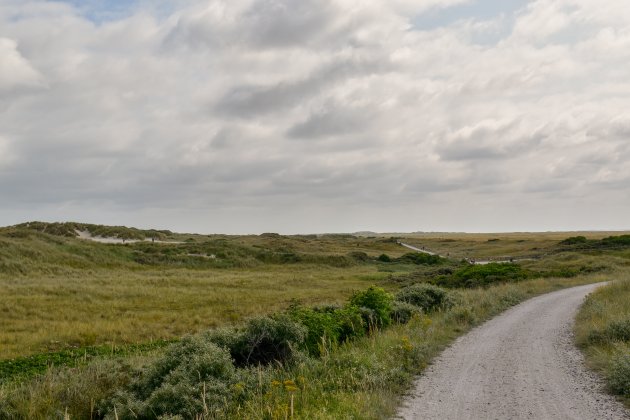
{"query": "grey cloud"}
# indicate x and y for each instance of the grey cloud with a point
(289, 108)
(243, 101)
(490, 140)
(274, 24)
(334, 121)
(288, 23)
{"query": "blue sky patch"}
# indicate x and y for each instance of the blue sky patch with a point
(103, 10)
(480, 10)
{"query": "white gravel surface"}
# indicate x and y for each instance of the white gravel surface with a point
(522, 364)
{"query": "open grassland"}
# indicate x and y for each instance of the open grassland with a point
(364, 378)
(603, 332)
(494, 245)
(59, 292)
(43, 313)
(109, 313)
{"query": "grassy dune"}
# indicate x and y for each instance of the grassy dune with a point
(78, 299)
(492, 245)
(59, 292)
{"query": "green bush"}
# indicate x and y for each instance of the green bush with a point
(350, 323)
(619, 374)
(266, 339)
(359, 256)
(377, 300)
(619, 330)
(402, 312)
(384, 258)
(193, 376)
(322, 327)
(615, 331)
(621, 240)
(196, 375)
(420, 258)
(483, 275)
(425, 296)
(328, 325)
(574, 240)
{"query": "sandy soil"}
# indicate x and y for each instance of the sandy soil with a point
(476, 262)
(520, 365)
(84, 234)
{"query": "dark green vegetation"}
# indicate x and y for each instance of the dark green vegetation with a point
(198, 375)
(425, 296)
(603, 331)
(483, 275)
(326, 326)
(609, 242)
(63, 293)
(25, 367)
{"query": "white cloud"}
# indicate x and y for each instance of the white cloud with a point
(15, 70)
(277, 107)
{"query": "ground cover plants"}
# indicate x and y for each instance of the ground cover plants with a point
(308, 326)
(64, 293)
(362, 377)
(603, 332)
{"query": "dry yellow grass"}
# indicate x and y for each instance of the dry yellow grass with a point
(69, 292)
(51, 312)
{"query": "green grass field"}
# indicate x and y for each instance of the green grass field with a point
(105, 310)
(60, 292)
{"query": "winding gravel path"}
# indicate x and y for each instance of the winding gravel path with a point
(519, 365)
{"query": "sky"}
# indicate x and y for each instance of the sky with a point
(306, 116)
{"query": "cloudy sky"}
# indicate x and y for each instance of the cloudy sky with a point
(242, 116)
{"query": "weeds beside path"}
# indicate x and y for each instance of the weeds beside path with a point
(603, 333)
(521, 364)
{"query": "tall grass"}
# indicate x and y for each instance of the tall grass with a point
(364, 378)
(603, 332)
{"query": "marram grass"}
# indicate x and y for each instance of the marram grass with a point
(603, 332)
(365, 378)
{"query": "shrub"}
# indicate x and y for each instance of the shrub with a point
(267, 339)
(359, 256)
(384, 258)
(574, 240)
(193, 376)
(322, 327)
(621, 240)
(377, 300)
(483, 275)
(425, 296)
(619, 374)
(350, 321)
(420, 258)
(619, 330)
(402, 312)
(328, 325)
(227, 338)
(615, 331)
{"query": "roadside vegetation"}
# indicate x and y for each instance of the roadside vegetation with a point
(603, 332)
(267, 326)
(269, 369)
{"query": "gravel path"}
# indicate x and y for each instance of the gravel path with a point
(519, 365)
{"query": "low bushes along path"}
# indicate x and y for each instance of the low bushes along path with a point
(520, 365)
